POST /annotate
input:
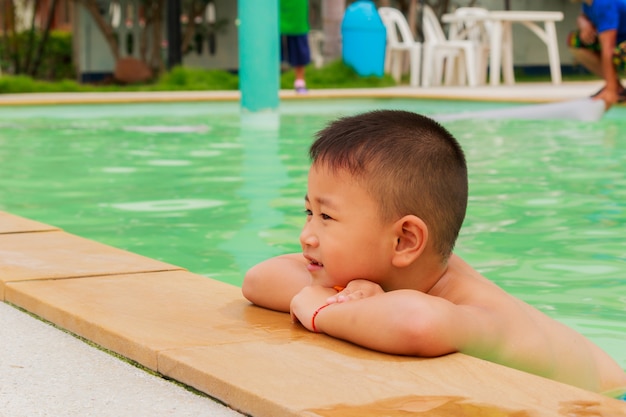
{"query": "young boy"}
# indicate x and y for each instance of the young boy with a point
(386, 197)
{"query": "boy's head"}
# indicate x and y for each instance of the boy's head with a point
(409, 164)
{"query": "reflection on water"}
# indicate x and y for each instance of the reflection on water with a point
(167, 205)
(192, 185)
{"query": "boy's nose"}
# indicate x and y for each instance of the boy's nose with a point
(307, 237)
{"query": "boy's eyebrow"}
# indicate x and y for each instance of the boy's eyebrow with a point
(321, 201)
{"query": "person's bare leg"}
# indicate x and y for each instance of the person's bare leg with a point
(591, 60)
(300, 83)
(299, 71)
(588, 59)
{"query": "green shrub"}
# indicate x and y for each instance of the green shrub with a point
(336, 75)
(333, 75)
(181, 78)
(56, 60)
(13, 84)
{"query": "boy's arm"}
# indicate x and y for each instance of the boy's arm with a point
(273, 283)
(404, 322)
(408, 322)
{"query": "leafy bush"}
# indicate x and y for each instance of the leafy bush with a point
(192, 79)
(336, 75)
(24, 84)
(333, 75)
(56, 61)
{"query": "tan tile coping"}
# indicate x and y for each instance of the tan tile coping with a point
(10, 223)
(203, 333)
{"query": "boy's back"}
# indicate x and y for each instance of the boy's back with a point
(519, 336)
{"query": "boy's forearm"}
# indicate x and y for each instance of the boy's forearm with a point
(273, 283)
(397, 322)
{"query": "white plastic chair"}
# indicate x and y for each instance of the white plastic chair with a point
(440, 53)
(474, 26)
(400, 42)
(316, 40)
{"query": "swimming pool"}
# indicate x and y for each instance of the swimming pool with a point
(197, 186)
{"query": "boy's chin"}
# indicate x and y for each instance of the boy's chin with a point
(323, 281)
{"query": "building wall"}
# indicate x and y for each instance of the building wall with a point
(527, 48)
(92, 54)
(215, 44)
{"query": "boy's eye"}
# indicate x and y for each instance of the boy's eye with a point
(308, 212)
(325, 216)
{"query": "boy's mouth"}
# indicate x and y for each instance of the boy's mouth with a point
(314, 263)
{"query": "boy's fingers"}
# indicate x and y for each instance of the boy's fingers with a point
(294, 319)
(342, 292)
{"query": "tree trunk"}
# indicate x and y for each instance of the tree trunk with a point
(195, 10)
(7, 28)
(13, 41)
(157, 64)
(44, 39)
(30, 42)
(332, 14)
(413, 17)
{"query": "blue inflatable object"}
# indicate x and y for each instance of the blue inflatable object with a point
(364, 38)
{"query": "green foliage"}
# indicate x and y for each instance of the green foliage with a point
(195, 79)
(333, 75)
(56, 62)
(179, 79)
(24, 84)
(336, 75)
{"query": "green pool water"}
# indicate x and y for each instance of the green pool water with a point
(202, 187)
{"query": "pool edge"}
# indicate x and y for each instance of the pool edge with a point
(220, 351)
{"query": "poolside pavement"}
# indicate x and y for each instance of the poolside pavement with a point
(521, 92)
(202, 333)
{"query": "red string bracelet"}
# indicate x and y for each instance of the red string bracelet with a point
(315, 315)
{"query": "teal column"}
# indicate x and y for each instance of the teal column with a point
(259, 45)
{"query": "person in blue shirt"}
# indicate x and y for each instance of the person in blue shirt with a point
(599, 45)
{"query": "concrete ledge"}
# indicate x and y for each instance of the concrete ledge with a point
(203, 333)
(521, 92)
(55, 254)
(15, 224)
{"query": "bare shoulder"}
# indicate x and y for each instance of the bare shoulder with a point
(463, 285)
(516, 334)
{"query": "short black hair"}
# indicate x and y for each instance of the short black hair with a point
(408, 162)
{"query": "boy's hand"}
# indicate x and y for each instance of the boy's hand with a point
(306, 302)
(355, 290)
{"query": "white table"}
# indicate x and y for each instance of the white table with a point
(501, 39)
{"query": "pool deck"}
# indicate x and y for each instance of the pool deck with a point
(203, 334)
(521, 92)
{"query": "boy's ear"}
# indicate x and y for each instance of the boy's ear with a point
(411, 237)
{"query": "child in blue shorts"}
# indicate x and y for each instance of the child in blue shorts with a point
(294, 29)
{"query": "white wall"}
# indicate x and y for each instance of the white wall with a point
(528, 49)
